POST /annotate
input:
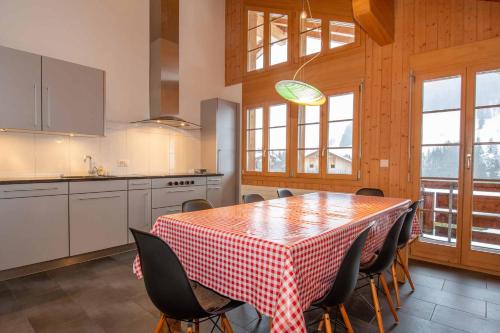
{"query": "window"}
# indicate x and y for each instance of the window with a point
(255, 40)
(340, 134)
(254, 138)
(341, 33)
(266, 139)
(308, 135)
(310, 36)
(278, 41)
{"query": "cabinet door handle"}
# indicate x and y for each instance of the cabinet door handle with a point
(32, 189)
(213, 188)
(139, 184)
(96, 198)
(146, 196)
(180, 191)
(35, 105)
(218, 159)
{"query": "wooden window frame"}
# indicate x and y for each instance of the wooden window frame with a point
(265, 140)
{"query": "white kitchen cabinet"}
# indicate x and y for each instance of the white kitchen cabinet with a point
(20, 87)
(214, 191)
(139, 211)
(33, 225)
(97, 221)
(165, 197)
(73, 98)
(157, 212)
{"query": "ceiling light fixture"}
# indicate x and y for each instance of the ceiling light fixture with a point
(297, 91)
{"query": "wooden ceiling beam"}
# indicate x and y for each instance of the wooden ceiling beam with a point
(376, 17)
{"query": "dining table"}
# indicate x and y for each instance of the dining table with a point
(277, 255)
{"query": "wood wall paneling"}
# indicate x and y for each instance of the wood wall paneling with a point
(377, 19)
(420, 26)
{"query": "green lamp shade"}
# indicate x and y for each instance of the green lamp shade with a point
(300, 93)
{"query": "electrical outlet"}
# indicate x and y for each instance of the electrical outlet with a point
(122, 163)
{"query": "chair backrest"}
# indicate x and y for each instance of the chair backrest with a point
(195, 204)
(374, 192)
(166, 281)
(385, 257)
(347, 275)
(284, 193)
(249, 198)
(405, 234)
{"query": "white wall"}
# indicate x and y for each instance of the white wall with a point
(113, 35)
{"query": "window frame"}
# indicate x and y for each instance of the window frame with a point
(265, 139)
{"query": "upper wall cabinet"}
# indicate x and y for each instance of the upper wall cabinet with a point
(20, 88)
(73, 98)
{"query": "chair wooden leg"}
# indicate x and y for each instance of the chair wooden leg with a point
(395, 283)
(406, 271)
(320, 325)
(160, 324)
(389, 298)
(270, 324)
(376, 304)
(225, 324)
(328, 324)
(196, 326)
(347, 322)
(190, 329)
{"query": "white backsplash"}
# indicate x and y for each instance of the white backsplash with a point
(148, 150)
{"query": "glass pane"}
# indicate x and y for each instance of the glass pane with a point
(309, 24)
(438, 213)
(487, 127)
(254, 118)
(308, 161)
(254, 139)
(341, 107)
(339, 161)
(279, 27)
(341, 33)
(255, 59)
(310, 42)
(488, 88)
(255, 38)
(442, 94)
(309, 114)
(277, 138)
(487, 162)
(277, 161)
(340, 134)
(486, 216)
(433, 130)
(254, 161)
(308, 136)
(255, 19)
(277, 115)
(279, 52)
(440, 161)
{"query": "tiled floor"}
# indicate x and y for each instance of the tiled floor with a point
(104, 296)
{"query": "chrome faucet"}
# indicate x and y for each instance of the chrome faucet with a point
(92, 171)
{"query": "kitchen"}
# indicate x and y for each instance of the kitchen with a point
(116, 115)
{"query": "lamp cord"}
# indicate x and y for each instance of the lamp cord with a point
(317, 54)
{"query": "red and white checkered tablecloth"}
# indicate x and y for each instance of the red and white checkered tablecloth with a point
(277, 255)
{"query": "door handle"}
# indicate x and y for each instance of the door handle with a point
(218, 159)
(213, 188)
(32, 189)
(179, 191)
(96, 198)
(35, 105)
(49, 113)
(468, 158)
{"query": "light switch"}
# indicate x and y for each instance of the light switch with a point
(384, 163)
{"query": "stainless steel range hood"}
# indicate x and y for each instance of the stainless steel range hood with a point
(164, 65)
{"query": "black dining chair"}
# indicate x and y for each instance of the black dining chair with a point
(249, 198)
(374, 192)
(381, 261)
(172, 292)
(284, 193)
(196, 204)
(403, 240)
(344, 283)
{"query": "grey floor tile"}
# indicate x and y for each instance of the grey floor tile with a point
(243, 315)
(8, 302)
(493, 311)
(15, 322)
(472, 292)
(411, 324)
(493, 283)
(463, 320)
(84, 325)
(448, 273)
(428, 281)
(126, 258)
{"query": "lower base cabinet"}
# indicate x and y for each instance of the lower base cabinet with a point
(139, 211)
(97, 221)
(33, 230)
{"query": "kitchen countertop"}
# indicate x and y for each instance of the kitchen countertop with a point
(29, 180)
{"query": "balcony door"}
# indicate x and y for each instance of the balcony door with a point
(457, 141)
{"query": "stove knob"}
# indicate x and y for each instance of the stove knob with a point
(176, 183)
(192, 182)
(170, 183)
(182, 182)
